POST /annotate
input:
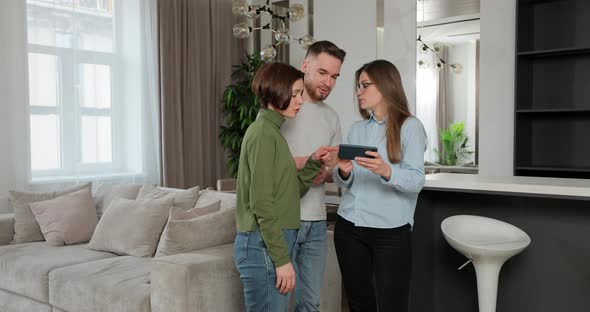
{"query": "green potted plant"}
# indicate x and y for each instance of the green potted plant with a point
(454, 143)
(240, 107)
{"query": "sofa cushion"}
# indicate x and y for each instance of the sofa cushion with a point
(185, 199)
(11, 302)
(118, 284)
(106, 193)
(131, 227)
(228, 200)
(24, 268)
(26, 228)
(210, 230)
(67, 220)
(177, 213)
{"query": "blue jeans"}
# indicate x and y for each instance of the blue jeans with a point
(310, 259)
(257, 272)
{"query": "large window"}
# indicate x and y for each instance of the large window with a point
(75, 106)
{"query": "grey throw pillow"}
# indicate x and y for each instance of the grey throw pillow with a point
(228, 200)
(106, 193)
(209, 230)
(185, 199)
(131, 227)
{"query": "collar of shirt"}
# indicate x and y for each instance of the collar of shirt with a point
(272, 116)
(373, 119)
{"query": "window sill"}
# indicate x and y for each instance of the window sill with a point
(139, 176)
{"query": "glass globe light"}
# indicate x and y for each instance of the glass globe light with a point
(423, 49)
(306, 41)
(437, 48)
(296, 12)
(282, 35)
(422, 64)
(241, 30)
(438, 66)
(268, 53)
(253, 12)
(456, 68)
(239, 7)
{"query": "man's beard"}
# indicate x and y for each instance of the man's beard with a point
(315, 95)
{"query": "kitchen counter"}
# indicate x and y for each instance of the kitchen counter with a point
(551, 274)
(524, 186)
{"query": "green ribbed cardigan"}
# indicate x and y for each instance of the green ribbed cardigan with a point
(269, 184)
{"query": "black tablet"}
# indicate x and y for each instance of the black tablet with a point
(349, 151)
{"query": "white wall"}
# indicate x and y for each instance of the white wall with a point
(496, 87)
(399, 23)
(460, 91)
(352, 26)
(13, 100)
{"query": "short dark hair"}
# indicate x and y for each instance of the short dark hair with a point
(328, 47)
(273, 84)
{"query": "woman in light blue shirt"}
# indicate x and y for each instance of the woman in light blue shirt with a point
(376, 215)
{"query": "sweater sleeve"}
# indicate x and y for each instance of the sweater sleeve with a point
(307, 174)
(262, 160)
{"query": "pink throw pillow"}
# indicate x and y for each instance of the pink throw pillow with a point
(67, 220)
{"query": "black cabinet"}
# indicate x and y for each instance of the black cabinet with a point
(552, 111)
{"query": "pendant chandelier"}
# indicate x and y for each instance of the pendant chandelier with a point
(281, 34)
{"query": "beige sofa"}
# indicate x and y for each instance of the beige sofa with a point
(35, 277)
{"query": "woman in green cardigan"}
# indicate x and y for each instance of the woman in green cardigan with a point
(269, 190)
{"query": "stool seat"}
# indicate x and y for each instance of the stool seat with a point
(475, 236)
(488, 243)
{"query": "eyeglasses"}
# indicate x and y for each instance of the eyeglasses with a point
(361, 86)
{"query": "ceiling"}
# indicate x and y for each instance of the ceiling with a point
(452, 32)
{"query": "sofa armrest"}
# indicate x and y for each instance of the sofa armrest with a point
(331, 293)
(203, 280)
(6, 228)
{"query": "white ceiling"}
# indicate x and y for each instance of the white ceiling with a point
(449, 14)
(451, 33)
(440, 9)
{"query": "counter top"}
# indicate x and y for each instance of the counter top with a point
(523, 186)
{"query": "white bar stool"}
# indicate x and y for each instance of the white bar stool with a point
(488, 243)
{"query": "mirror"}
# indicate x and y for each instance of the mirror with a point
(447, 84)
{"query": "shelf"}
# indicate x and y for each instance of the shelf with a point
(533, 2)
(554, 52)
(552, 94)
(554, 26)
(552, 111)
(546, 168)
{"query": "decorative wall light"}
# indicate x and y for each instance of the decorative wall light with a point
(282, 35)
(440, 62)
(424, 49)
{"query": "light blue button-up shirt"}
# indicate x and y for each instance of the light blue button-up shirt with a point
(372, 201)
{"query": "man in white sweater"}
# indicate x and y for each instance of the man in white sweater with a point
(317, 124)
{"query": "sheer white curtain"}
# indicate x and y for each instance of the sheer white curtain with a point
(430, 99)
(426, 99)
(90, 92)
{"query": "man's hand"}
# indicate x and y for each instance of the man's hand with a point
(324, 153)
(285, 278)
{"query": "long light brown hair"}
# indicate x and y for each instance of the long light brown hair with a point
(387, 79)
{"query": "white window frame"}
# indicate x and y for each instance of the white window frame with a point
(70, 112)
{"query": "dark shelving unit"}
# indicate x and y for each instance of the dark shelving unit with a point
(552, 111)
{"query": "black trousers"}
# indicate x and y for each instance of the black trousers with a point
(375, 265)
